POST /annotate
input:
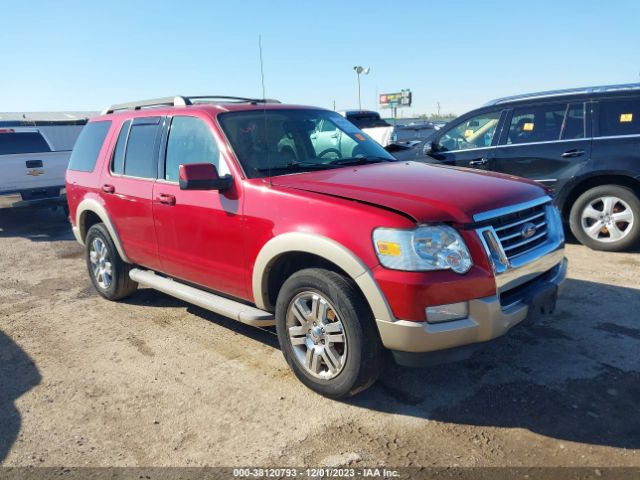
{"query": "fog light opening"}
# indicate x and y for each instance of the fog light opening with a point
(447, 313)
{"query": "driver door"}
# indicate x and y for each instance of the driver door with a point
(471, 142)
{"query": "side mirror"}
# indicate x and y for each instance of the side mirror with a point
(202, 176)
(429, 148)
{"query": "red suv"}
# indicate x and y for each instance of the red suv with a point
(290, 216)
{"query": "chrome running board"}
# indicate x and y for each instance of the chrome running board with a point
(209, 301)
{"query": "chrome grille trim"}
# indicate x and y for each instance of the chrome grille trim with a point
(499, 212)
(524, 242)
(519, 222)
(514, 261)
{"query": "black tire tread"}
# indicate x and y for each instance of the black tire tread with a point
(339, 289)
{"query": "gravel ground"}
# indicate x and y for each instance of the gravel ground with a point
(152, 381)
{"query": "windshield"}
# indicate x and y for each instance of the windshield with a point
(278, 142)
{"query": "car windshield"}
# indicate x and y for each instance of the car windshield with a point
(279, 142)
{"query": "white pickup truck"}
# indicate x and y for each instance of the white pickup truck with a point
(31, 172)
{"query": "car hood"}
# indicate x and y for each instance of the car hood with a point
(427, 193)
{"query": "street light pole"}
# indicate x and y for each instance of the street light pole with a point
(358, 69)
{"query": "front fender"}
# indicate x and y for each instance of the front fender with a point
(323, 247)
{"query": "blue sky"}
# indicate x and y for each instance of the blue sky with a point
(84, 55)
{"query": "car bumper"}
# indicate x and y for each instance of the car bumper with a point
(16, 199)
(488, 317)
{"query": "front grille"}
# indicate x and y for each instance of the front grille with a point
(514, 230)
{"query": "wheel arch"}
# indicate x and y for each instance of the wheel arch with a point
(567, 199)
(305, 250)
(90, 212)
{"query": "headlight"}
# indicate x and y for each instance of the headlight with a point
(437, 247)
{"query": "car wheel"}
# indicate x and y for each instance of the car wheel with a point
(606, 218)
(327, 333)
(109, 273)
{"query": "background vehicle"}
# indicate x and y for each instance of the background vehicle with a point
(373, 125)
(583, 144)
(32, 171)
(343, 249)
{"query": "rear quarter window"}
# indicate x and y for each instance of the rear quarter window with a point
(14, 143)
(87, 148)
(619, 117)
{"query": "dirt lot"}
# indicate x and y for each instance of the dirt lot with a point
(154, 381)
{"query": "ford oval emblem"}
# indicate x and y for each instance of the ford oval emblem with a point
(528, 230)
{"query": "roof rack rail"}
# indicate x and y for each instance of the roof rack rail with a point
(566, 91)
(183, 101)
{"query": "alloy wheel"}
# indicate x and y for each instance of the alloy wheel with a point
(607, 219)
(101, 265)
(317, 335)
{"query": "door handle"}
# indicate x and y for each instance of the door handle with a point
(482, 161)
(573, 153)
(106, 188)
(167, 199)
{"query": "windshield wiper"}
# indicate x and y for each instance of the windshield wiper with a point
(359, 160)
(297, 166)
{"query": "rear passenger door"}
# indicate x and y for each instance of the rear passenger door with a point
(548, 143)
(127, 188)
(199, 231)
(616, 143)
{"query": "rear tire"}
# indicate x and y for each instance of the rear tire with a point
(327, 333)
(606, 218)
(108, 272)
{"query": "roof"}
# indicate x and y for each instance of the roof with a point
(185, 101)
(566, 92)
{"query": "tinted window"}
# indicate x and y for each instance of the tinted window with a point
(22, 142)
(85, 151)
(117, 166)
(140, 160)
(619, 117)
(476, 132)
(367, 120)
(536, 124)
(574, 122)
(190, 141)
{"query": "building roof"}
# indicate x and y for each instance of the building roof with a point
(45, 116)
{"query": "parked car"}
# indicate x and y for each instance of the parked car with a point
(373, 125)
(32, 172)
(583, 144)
(230, 205)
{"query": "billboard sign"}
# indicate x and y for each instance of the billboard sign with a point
(399, 99)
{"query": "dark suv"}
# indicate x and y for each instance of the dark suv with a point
(584, 144)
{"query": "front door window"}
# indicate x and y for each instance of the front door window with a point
(476, 132)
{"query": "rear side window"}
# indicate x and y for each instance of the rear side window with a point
(117, 165)
(85, 152)
(190, 141)
(619, 117)
(367, 121)
(13, 143)
(536, 124)
(140, 158)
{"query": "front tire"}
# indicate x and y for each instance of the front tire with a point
(327, 333)
(108, 272)
(606, 218)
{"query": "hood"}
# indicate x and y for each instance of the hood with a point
(427, 193)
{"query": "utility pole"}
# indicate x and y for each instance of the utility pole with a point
(438, 104)
(358, 69)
